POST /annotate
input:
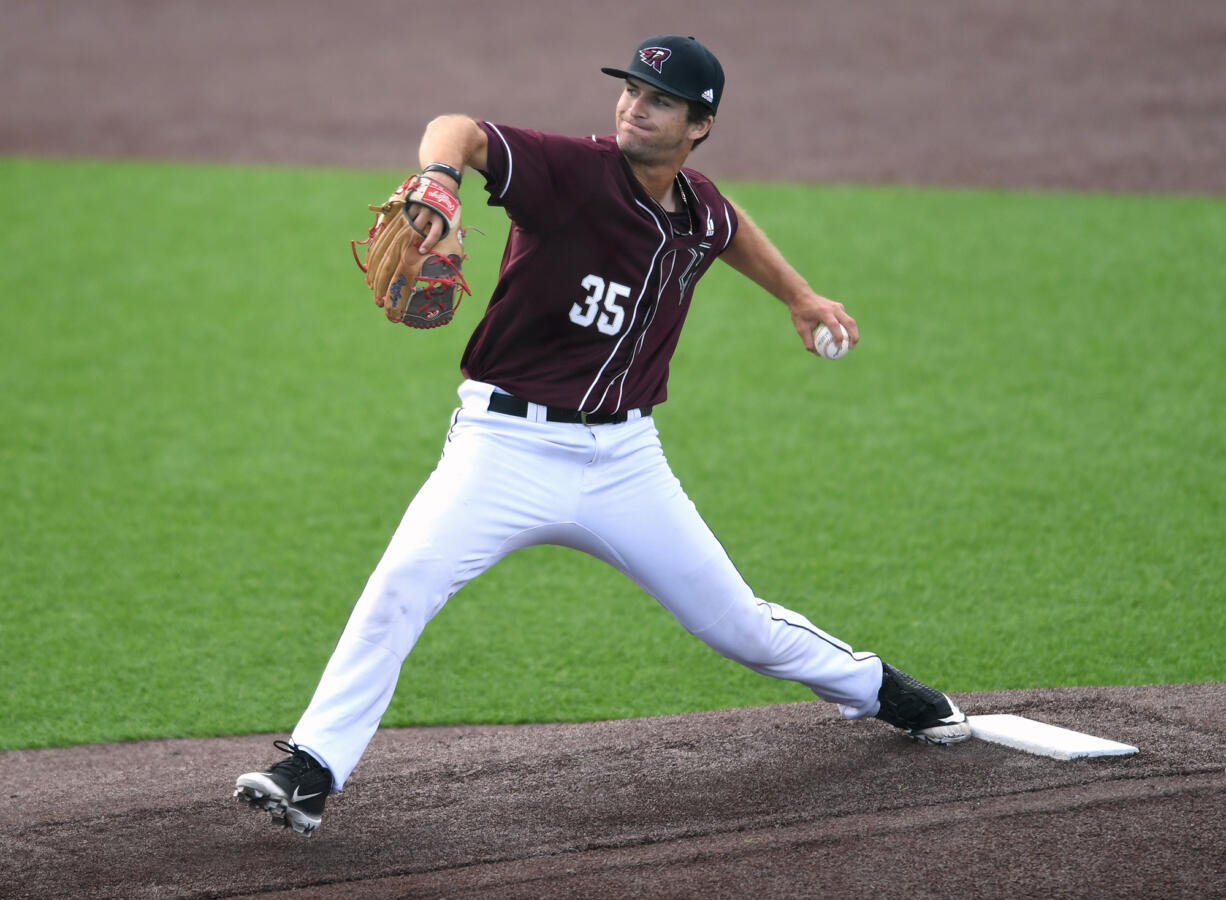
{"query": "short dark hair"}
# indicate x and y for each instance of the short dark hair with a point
(697, 114)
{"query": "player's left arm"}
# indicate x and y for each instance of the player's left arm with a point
(454, 140)
(752, 254)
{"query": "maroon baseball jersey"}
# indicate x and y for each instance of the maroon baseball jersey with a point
(596, 278)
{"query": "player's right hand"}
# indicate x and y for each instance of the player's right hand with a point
(813, 310)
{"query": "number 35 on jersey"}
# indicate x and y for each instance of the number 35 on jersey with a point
(602, 306)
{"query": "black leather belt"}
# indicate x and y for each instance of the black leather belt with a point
(514, 406)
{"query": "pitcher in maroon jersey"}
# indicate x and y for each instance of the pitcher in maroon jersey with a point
(554, 442)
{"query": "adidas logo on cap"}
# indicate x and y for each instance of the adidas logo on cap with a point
(709, 95)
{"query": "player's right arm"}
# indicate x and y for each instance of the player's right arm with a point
(753, 255)
(454, 140)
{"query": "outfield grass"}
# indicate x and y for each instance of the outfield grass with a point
(208, 434)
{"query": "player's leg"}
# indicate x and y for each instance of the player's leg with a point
(496, 488)
(657, 537)
(442, 542)
(445, 539)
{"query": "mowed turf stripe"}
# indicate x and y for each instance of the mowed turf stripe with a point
(209, 433)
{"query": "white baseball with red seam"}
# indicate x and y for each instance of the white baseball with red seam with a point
(826, 344)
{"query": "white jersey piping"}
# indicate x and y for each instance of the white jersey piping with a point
(637, 303)
(506, 185)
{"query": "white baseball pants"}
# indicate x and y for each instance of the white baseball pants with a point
(504, 483)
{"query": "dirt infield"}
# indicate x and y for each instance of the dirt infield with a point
(1115, 94)
(784, 801)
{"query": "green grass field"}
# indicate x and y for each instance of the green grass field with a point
(208, 433)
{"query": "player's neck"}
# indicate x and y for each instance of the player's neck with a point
(659, 181)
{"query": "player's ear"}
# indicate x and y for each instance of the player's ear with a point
(699, 130)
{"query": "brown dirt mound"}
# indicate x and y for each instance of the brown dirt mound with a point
(779, 801)
(785, 801)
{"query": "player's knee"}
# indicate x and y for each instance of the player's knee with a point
(743, 635)
(406, 594)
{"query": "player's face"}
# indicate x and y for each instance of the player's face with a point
(653, 126)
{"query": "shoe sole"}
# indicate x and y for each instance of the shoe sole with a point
(261, 792)
(948, 732)
(941, 735)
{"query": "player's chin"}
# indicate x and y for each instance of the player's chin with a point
(636, 149)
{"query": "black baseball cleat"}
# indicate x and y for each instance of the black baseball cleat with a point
(293, 790)
(922, 712)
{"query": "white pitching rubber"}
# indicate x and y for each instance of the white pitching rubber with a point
(1031, 736)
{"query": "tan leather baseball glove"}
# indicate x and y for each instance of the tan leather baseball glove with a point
(419, 290)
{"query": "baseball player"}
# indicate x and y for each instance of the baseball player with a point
(553, 441)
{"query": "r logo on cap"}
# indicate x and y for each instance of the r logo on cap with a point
(655, 57)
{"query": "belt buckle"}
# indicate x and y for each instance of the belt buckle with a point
(583, 417)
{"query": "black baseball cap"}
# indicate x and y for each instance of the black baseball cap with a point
(679, 65)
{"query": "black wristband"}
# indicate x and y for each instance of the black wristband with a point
(446, 170)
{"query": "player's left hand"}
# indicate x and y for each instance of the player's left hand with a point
(431, 217)
(813, 310)
(414, 253)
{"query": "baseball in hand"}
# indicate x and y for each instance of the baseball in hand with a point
(826, 344)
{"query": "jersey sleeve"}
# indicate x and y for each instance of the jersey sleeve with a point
(540, 179)
(732, 223)
(721, 216)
